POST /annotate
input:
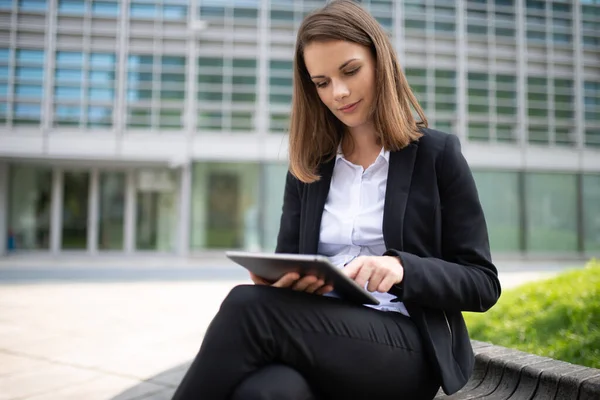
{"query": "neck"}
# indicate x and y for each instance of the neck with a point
(364, 141)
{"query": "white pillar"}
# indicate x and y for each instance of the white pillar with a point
(3, 207)
(56, 210)
(185, 205)
(130, 209)
(93, 211)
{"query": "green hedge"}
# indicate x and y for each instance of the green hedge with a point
(558, 317)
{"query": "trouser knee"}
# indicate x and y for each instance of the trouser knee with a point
(274, 382)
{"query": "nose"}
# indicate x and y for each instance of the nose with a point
(340, 90)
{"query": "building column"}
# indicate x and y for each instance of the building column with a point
(3, 207)
(460, 129)
(56, 207)
(93, 211)
(185, 205)
(130, 207)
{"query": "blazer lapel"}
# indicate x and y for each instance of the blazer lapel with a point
(316, 198)
(396, 195)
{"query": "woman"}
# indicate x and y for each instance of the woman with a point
(387, 199)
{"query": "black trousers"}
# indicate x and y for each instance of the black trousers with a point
(272, 343)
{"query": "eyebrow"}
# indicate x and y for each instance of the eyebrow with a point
(341, 67)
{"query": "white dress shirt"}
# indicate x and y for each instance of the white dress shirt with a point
(352, 221)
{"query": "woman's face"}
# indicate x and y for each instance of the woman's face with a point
(344, 76)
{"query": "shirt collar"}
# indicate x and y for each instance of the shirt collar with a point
(383, 153)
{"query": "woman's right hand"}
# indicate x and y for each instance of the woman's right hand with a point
(292, 280)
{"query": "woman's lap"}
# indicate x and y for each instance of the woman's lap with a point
(342, 350)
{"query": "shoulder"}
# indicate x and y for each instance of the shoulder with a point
(437, 142)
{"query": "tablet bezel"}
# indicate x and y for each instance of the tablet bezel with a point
(272, 266)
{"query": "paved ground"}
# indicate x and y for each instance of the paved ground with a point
(120, 329)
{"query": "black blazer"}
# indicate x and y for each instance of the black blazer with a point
(434, 222)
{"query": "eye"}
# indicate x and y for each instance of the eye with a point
(321, 85)
(353, 72)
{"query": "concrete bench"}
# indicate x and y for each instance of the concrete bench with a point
(501, 373)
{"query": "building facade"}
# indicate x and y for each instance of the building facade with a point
(140, 126)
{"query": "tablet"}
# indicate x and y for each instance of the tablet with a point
(272, 266)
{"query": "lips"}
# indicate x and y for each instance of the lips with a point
(349, 107)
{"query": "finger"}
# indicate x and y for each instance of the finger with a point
(258, 280)
(324, 289)
(386, 284)
(315, 286)
(376, 278)
(351, 270)
(304, 282)
(363, 276)
(287, 280)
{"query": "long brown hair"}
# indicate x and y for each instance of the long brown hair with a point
(315, 132)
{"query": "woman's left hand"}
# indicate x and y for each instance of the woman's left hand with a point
(381, 272)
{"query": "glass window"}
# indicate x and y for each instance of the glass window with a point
(4, 93)
(68, 93)
(156, 216)
(171, 118)
(26, 114)
(535, 4)
(505, 133)
(561, 8)
(592, 137)
(173, 62)
(211, 12)
(551, 212)
(101, 77)
(102, 60)
(279, 122)
(140, 62)
(563, 136)
(4, 55)
(139, 118)
(250, 13)
(68, 75)
(97, 94)
(30, 56)
(141, 10)
(75, 210)
(139, 95)
(172, 95)
(499, 195)
(591, 212)
(274, 175)
(170, 78)
(99, 116)
(111, 222)
(225, 206)
(210, 120)
(67, 115)
(6, 4)
(505, 32)
(140, 78)
(280, 15)
(29, 73)
(71, 6)
(71, 59)
(478, 131)
(174, 12)
(538, 135)
(244, 63)
(32, 5)
(105, 8)
(33, 91)
(30, 197)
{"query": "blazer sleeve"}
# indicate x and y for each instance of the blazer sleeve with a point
(465, 279)
(288, 239)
